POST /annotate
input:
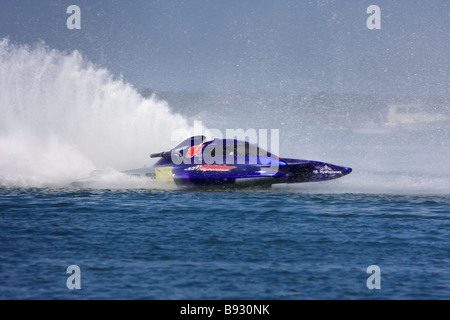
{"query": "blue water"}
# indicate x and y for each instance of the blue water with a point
(179, 244)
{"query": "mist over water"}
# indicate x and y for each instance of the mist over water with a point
(396, 144)
(62, 117)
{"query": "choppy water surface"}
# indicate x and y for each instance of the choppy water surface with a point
(178, 244)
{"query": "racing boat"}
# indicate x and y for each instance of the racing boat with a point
(196, 162)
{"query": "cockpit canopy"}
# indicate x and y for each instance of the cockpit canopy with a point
(196, 150)
(234, 148)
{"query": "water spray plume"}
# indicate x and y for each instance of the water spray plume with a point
(62, 117)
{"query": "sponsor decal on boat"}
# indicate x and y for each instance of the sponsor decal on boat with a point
(327, 170)
(210, 168)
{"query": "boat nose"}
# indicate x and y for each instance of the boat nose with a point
(346, 170)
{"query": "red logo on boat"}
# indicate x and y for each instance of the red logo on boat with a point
(194, 151)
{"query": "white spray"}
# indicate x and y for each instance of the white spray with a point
(62, 117)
